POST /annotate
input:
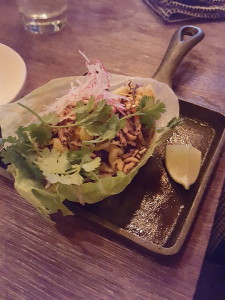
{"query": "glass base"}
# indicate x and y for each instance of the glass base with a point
(44, 26)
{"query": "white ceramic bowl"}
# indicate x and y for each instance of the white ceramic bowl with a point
(13, 74)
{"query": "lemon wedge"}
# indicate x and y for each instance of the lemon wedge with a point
(183, 163)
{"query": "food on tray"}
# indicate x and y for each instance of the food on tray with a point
(87, 144)
(183, 163)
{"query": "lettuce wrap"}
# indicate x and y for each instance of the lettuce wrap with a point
(49, 198)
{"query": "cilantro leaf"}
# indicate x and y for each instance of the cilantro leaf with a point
(56, 168)
(171, 124)
(174, 122)
(40, 133)
(88, 114)
(52, 161)
(23, 143)
(78, 156)
(13, 156)
(9, 139)
(152, 110)
(108, 130)
(82, 108)
(91, 166)
(84, 112)
(7, 156)
(69, 167)
(20, 153)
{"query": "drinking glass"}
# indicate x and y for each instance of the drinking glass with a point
(43, 16)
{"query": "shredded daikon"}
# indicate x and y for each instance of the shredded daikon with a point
(95, 84)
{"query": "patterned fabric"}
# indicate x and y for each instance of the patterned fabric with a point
(217, 239)
(182, 10)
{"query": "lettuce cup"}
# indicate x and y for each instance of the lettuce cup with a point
(84, 138)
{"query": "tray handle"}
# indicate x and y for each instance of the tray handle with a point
(176, 51)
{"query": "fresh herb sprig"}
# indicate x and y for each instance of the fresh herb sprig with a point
(151, 110)
(98, 120)
(28, 149)
(174, 122)
(69, 167)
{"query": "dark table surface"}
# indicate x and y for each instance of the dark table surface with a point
(75, 259)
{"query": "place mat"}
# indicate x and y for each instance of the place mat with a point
(182, 10)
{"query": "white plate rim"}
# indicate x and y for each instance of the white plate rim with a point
(11, 61)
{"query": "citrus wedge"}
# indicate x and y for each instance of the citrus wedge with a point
(183, 163)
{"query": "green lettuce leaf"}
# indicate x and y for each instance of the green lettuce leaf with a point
(48, 202)
(45, 202)
(51, 200)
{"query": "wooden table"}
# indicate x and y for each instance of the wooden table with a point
(77, 260)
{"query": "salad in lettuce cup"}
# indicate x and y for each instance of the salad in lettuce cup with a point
(84, 138)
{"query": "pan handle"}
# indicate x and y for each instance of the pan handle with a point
(176, 51)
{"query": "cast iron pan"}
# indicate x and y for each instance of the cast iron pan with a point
(154, 212)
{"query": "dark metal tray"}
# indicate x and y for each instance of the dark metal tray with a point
(154, 211)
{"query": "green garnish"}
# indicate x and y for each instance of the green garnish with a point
(67, 167)
(29, 151)
(170, 125)
(99, 120)
(152, 111)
